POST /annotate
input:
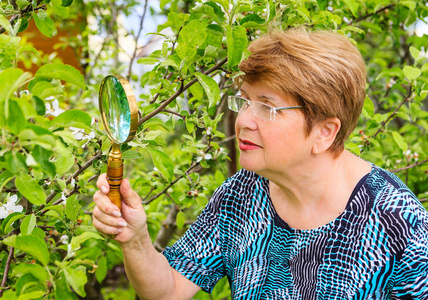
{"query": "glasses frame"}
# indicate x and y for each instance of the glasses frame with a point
(250, 104)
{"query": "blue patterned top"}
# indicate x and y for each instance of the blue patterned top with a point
(376, 249)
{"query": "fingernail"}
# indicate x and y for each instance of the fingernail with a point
(122, 223)
(116, 213)
(119, 230)
(104, 189)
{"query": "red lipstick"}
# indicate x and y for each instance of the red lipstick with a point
(247, 145)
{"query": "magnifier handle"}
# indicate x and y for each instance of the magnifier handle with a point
(114, 178)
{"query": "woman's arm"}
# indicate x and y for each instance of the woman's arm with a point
(148, 270)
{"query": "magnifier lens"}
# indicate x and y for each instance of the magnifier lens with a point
(116, 109)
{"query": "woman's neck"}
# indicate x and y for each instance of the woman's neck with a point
(316, 194)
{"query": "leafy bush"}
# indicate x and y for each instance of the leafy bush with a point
(53, 148)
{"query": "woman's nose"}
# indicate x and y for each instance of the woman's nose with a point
(246, 120)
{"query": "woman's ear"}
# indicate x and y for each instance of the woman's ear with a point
(326, 132)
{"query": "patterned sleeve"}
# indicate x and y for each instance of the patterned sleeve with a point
(412, 271)
(197, 254)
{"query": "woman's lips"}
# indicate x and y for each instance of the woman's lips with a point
(247, 145)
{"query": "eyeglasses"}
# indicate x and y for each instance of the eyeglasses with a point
(259, 110)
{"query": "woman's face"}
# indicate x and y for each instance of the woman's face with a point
(271, 147)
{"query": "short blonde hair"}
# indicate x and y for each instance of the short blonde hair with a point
(321, 70)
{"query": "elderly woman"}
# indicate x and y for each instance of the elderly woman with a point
(304, 218)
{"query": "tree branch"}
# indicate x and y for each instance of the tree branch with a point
(409, 167)
(136, 40)
(371, 14)
(6, 271)
(75, 174)
(409, 94)
(179, 92)
(23, 12)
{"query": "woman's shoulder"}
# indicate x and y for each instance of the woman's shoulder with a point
(391, 195)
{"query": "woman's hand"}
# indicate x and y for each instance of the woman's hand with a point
(130, 224)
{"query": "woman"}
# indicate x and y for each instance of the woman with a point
(304, 218)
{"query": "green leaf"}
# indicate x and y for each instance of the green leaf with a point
(22, 3)
(15, 162)
(163, 163)
(30, 189)
(66, 3)
(131, 154)
(64, 163)
(236, 44)
(28, 224)
(45, 89)
(33, 245)
(37, 137)
(16, 120)
(76, 241)
(73, 117)
(77, 279)
(211, 88)
(101, 271)
(62, 72)
(72, 208)
(5, 24)
(9, 220)
(399, 140)
(181, 218)
(42, 156)
(147, 61)
(59, 9)
(44, 23)
(34, 269)
(10, 81)
(410, 4)
(415, 52)
(368, 108)
(191, 36)
(353, 6)
(411, 73)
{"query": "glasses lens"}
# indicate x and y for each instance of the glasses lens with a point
(263, 111)
(236, 103)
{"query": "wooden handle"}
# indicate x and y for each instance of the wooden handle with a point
(114, 178)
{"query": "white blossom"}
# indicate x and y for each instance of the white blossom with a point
(10, 207)
(53, 110)
(63, 239)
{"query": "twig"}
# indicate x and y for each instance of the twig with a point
(174, 113)
(394, 112)
(23, 12)
(189, 170)
(6, 271)
(409, 167)
(136, 40)
(75, 174)
(179, 92)
(371, 14)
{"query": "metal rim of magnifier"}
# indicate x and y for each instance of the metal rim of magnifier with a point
(132, 107)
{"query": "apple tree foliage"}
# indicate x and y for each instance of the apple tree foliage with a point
(53, 146)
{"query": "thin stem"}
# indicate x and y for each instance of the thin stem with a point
(6, 271)
(75, 174)
(136, 39)
(371, 14)
(179, 92)
(394, 112)
(409, 167)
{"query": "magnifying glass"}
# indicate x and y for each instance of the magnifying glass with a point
(119, 114)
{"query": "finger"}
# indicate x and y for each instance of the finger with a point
(102, 183)
(106, 229)
(105, 205)
(129, 195)
(107, 219)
